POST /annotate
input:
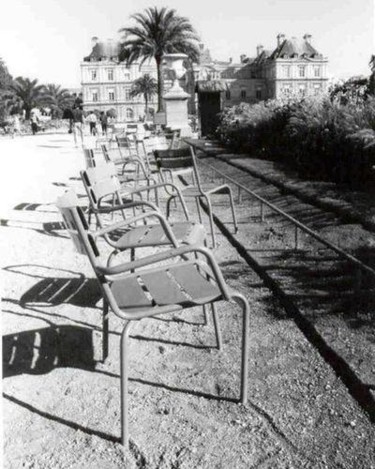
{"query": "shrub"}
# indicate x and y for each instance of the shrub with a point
(322, 138)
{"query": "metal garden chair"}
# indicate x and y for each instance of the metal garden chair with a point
(184, 158)
(107, 196)
(156, 288)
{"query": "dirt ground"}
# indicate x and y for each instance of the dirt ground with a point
(61, 407)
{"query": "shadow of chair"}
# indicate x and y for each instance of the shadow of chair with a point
(42, 350)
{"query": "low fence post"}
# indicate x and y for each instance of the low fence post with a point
(296, 237)
(261, 211)
(239, 197)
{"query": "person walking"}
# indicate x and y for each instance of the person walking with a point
(92, 120)
(34, 123)
(16, 126)
(78, 124)
(104, 122)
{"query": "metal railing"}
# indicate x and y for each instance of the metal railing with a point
(360, 266)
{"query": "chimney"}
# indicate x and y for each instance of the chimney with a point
(307, 38)
(259, 49)
(242, 58)
(230, 60)
(280, 39)
(94, 41)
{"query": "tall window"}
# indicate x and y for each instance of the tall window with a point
(94, 75)
(301, 71)
(127, 94)
(258, 93)
(127, 76)
(316, 72)
(111, 95)
(243, 94)
(285, 71)
(129, 113)
(94, 95)
(302, 90)
(317, 89)
(110, 74)
(286, 89)
(227, 94)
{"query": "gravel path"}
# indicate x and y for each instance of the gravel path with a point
(61, 408)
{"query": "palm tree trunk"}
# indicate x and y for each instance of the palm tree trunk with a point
(146, 107)
(160, 84)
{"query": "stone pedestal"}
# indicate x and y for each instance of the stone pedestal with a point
(176, 110)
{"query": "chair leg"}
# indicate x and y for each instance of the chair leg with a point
(217, 326)
(242, 301)
(211, 217)
(124, 357)
(197, 201)
(168, 207)
(205, 317)
(105, 331)
(232, 208)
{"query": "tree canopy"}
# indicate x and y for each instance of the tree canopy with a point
(158, 31)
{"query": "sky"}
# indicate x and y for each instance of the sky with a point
(47, 39)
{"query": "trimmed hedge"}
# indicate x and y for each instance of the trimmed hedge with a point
(320, 138)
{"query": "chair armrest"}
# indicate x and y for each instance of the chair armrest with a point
(142, 216)
(127, 205)
(170, 254)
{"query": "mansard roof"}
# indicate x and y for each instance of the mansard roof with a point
(295, 48)
(264, 55)
(104, 50)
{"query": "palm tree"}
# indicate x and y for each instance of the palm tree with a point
(29, 93)
(56, 98)
(158, 32)
(145, 86)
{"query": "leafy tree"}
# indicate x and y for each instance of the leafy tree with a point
(371, 83)
(157, 32)
(29, 93)
(145, 86)
(6, 94)
(57, 98)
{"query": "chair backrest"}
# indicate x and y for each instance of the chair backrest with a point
(128, 144)
(76, 225)
(89, 157)
(100, 182)
(175, 142)
(105, 151)
(179, 158)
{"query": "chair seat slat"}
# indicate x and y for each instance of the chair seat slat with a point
(194, 283)
(129, 294)
(162, 288)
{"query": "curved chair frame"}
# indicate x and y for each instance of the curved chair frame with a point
(201, 278)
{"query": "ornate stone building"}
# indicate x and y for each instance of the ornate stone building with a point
(106, 82)
(294, 67)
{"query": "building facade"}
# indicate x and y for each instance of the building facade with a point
(106, 82)
(293, 68)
